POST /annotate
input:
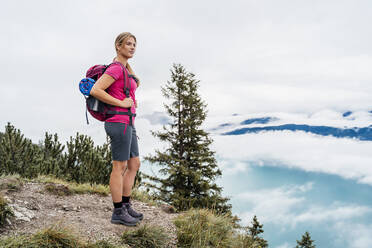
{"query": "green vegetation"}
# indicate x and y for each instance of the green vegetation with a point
(85, 162)
(63, 187)
(203, 228)
(80, 162)
(252, 238)
(58, 189)
(188, 166)
(206, 228)
(5, 211)
(144, 196)
(146, 236)
(18, 154)
(52, 237)
(305, 242)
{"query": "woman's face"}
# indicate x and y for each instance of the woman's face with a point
(128, 48)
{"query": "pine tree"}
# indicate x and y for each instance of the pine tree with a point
(18, 154)
(188, 166)
(85, 162)
(253, 239)
(52, 155)
(305, 242)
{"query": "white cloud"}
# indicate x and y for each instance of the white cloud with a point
(288, 207)
(250, 56)
(273, 205)
(232, 168)
(333, 213)
(353, 235)
(348, 158)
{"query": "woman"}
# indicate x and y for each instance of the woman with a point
(109, 88)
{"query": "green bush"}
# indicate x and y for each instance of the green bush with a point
(18, 155)
(85, 162)
(52, 155)
(146, 237)
(80, 162)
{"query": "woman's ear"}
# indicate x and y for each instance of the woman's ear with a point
(117, 46)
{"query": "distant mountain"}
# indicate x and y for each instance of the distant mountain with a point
(364, 133)
(239, 128)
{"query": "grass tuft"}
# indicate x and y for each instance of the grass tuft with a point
(55, 236)
(146, 236)
(75, 188)
(204, 228)
(11, 182)
(5, 211)
(143, 196)
(58, 189)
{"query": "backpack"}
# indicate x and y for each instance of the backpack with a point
(98, 109)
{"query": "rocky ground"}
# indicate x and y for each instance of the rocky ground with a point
(88, 214)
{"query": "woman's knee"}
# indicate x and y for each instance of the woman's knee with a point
(119, 166)
(134, 164)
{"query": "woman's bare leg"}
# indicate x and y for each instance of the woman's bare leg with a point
(116, 181)
(129, 175)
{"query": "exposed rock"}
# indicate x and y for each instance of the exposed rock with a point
(21, 213)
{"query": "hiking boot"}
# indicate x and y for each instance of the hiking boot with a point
(132, 212)
(121, 216)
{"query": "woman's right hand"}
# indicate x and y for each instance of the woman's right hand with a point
(127, 102)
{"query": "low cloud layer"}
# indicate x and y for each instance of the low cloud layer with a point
(348, 158)
(288, 206)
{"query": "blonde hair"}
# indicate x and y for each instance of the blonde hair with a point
(120, 39)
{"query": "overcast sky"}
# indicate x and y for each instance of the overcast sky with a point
(300, 61)
(251, 56)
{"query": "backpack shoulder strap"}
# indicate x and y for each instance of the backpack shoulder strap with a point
(126, 78)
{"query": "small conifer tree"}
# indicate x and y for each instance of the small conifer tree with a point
(253, 239)
(18, 154)
(188, 166)
(85, 162)
(305, 242)
(52, 154)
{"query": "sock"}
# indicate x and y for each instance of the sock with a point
(125, 199)
(118, 204)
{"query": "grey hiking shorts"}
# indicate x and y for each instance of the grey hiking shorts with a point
(123, 139)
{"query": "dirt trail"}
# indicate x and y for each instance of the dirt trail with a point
(88, 214)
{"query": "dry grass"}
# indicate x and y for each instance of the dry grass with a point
(73, 188)
(56, 236)
(204, 228)
(144, 196)
(11, 182)
(146, 236)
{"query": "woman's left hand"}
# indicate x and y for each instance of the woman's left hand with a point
(135, 105)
